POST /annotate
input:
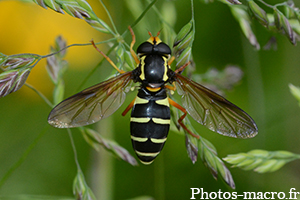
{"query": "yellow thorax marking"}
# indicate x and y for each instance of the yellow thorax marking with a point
(165, 77)
(166, 67)
(142, 76)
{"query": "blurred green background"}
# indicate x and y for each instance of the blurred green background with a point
(50, 168)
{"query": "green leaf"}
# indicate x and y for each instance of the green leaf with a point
(185, 42)
(56, 66)
(283, 154)
(245, 162)
(129, 60)
(53, 5)
(94, 139)
(17, 61)
(228, 2)
(295, 24)
(291, 11)
(295, 92)
(269, 166)
(81, 189)
(58, 92)
(13, 80)
(235, 159)
(231, 2)
(209, 145)
(182, 47)
(261, 161)
(120, 52)
(258, 13)
(76, 8)
(289, 32)
(84, 4)
(185, 56)
(210, 158)
(258, 153)
(191, 144)
(184, 31)
(60, 45)
(241, 15)
(253, 165)
(298, 15)
(288, 26)
(283, 24)
(278, 18)
(225, 173)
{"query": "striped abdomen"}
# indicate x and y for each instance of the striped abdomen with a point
(149, 124)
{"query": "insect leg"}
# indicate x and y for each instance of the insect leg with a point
(128, 107)
(176, 105)
(131, 46)
(173, 88)
(107, 58)
(180, 69)
(171, 60)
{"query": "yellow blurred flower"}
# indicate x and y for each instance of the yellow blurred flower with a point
(29, 28)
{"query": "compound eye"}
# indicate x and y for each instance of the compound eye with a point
(149, 48)
(163, 48)
(145, 48)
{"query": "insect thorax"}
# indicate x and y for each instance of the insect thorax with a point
(154, 63)
(154, 69)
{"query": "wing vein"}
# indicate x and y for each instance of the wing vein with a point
(213, 110)
(91, 104)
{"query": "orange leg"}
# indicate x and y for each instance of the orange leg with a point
(182, 67)
(173, 103)
(173, 88)
(128, 107)
(107, 58)
(131, 46)
(171, 60)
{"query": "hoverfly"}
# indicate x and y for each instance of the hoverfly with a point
(150, 115)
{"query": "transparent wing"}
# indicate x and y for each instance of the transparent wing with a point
(91, 104)
(214, 111)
